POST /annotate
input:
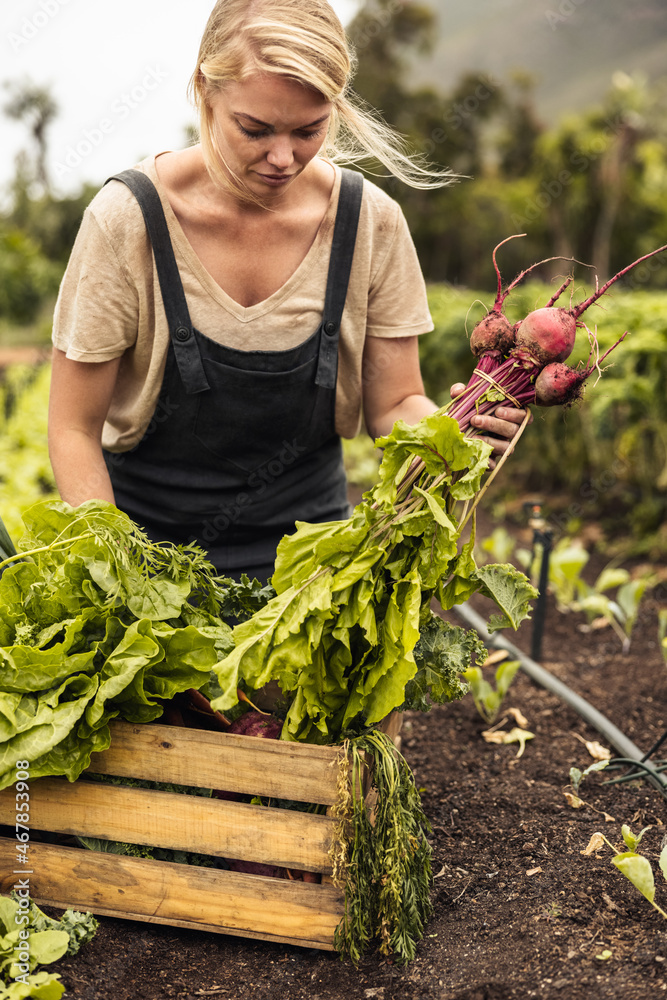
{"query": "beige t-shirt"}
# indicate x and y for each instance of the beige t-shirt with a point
(110, 304)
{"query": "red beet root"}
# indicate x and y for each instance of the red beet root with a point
(548, 334)
(559, 385)
(257, 868)
(256, 724)
(494, 333)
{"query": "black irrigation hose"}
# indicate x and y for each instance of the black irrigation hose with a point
(624, 746)
(633, 775)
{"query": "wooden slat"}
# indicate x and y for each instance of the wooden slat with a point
(282, 837)
(271, 768)
(180, 895)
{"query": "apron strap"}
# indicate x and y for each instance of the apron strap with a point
(182, 335)
(181, 332)
(340, 265)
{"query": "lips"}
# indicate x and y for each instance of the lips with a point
(275, 178)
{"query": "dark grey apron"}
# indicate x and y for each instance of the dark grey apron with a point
(242, 443)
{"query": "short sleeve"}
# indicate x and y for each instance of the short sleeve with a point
(96, 314)
(397, 300)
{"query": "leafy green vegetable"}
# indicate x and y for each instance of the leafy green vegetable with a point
(442, 655)
(487, 698)
(339, 636)
(96, 621)
(29, 938)
(240, 600)
(80, 927)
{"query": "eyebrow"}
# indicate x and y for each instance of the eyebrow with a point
(258, 121)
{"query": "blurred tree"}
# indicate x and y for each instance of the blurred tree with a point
(600, 181)
(521, 130)
(34, 105)
(480, 130)
(27, 278)
(386, 36)
(594, 187)
(50, 221)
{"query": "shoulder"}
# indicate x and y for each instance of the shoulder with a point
(383, 234)
(381, 221)
(116, 212)
(380, 209)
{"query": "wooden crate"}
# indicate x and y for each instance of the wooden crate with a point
(210, 899)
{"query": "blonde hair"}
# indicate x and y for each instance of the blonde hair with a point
(305, 41)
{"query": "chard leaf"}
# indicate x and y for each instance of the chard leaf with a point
(436, 506)
(396, 665)
(511, 591)
(71, 756)
(44, 721)
(439, 442)
(462, 581)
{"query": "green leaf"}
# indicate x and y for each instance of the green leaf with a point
(438, 440)
(662, 861)
(505, 674)
(575, 778)
(158, 598)
(611, 577)
(48, 946)
(40, 986)
(43, 721)
(511, 591)
(632, 841)
(444, 652)
(638, 870)
(436, 506)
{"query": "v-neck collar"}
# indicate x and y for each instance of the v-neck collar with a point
(185, 253)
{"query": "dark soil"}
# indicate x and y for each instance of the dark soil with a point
(519, 910)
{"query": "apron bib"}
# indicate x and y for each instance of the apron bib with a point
(242, 443)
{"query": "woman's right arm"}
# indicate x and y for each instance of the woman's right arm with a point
(78, 405)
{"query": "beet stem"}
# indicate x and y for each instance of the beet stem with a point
(555, 297)
(242, 696)
(500, 298)
(496, 470)
(201, 701)
(578, 310)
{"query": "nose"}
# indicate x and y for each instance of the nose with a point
(280, 154)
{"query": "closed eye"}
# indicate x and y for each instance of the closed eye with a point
(252, 134)
(264, 132)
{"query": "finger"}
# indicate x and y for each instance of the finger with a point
(499, 445)
(512, 414)
(456, 389)
(493, 425)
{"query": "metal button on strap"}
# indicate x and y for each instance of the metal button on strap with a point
(183, 333)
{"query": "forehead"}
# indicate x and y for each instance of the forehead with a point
(276, 100)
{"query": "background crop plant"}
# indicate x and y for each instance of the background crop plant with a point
(636, 867)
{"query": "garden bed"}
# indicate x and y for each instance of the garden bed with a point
(519, 911)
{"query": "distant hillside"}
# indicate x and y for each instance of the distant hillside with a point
(571, 47)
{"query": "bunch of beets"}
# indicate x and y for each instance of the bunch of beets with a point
(522, 364)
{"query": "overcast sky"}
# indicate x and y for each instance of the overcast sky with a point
(118, 72)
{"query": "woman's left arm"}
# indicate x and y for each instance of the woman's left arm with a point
(393, 389)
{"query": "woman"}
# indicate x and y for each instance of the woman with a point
(231, 309)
